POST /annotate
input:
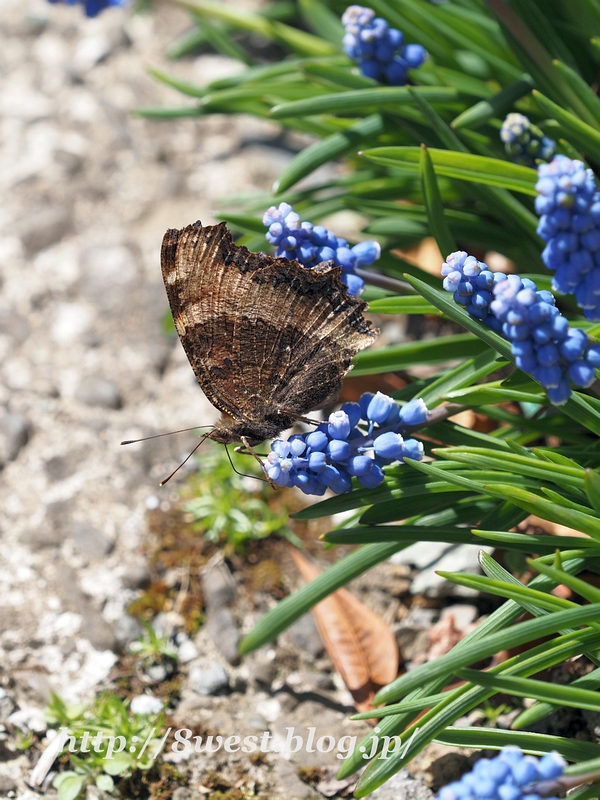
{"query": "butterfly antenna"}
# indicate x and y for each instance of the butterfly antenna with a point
(185, 460)
(243, 474)
(169, 433)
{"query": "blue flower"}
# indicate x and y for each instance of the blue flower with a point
(524, 142)
(94, 7)
(510, 776)
(378, 49)
(310, 244)
(568, 204)
(542, 342)
(338, 450)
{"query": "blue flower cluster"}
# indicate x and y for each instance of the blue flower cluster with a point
(542, 342)
(568, 203)
(379, 49)
(525, 142)
(510, 776)
(310, 244)
(328, 457)
(94, 7)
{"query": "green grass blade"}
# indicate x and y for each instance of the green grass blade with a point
(464, 166)
(288, 610)
(435, 207)
(362, 101)
(580, 133)
(486, 646)
(328, 149)
(497, 106)
(536, 744)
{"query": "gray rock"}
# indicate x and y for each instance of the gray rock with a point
(28, 718)
(157, 672)
(89, 541)
(218, 587)
(44, 228)
(463, 614)
(95, 391)
(211, 679)
(305, 636)
(412, 640)
(403, 785)
(136, 576)
(126, 629)
(14, 434)
(104, 267)
(456, 558)
(55, 528)
(186, 651)
(220, 626)
(263, 672)
(7, 784)
(291, 785)
(146, 704)
(6, 705)
(420, 554)
(58, 468)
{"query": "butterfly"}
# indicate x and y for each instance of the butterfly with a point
(268, 339)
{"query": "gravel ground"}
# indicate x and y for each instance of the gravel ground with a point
(89, 191)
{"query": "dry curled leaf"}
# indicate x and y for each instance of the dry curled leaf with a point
(360, 644)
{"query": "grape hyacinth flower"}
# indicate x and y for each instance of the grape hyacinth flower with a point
(568, 204)
(330, 456)
(310, 244)
(510, 776)
(524, 142)
(94, 7)
(542, 342)
(378, 49)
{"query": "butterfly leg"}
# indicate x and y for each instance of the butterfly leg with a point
(248, 449)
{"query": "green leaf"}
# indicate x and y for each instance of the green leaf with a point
(520, 594)
(409, 304)
(541, 710)
(328, 149)
(322, 21)
(580, 133)
(592, 488)
(362, 101)
(435, 207)
(118, 764)
(288, 610)
(535, 743)
(465, 166)
(589, 105)
(300, 41)
(583, 588)
(497, 106)
(428, 351)
(69, 787)
(486, 646)
(105, 783)
(534, 504)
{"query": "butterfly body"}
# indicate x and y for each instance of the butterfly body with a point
(268, 339)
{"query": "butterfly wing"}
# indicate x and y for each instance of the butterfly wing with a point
(265, 336)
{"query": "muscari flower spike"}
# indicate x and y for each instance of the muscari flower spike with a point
(310, 244)
(525, 143)
(338, 450)
(510, 776)
(542, 342)
(378, 49)
(568, 204)
(94, 7)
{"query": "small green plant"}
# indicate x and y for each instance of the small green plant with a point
(106, 741)
(151, 647)
(226, 509)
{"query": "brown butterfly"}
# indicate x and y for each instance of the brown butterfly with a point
(268, 339)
